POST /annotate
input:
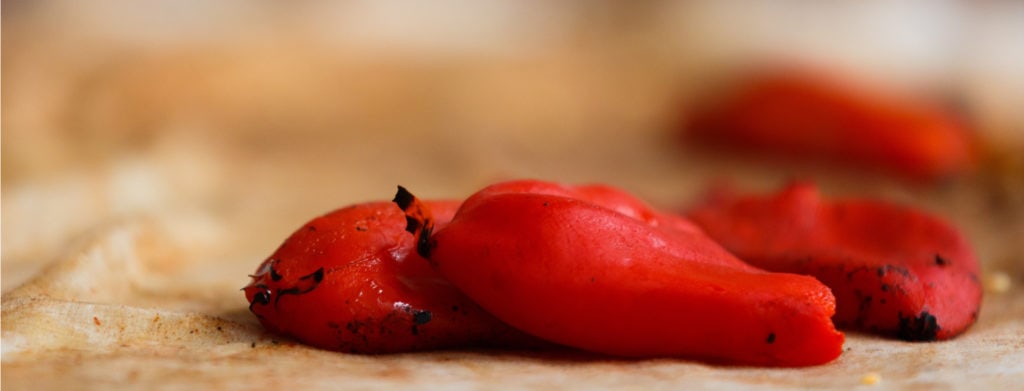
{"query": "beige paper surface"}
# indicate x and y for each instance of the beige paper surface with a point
(149, 167)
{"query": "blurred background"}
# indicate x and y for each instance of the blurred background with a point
(243, 119)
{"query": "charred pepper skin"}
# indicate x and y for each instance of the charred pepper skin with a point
(595, 269)
(808, 115)
(351, 281)
(894, 270)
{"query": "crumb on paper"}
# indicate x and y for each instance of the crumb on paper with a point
(871, 378)
(998, 282)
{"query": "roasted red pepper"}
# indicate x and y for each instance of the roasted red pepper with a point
(352, 281)
(594, 268)
(894, 270)
(804, 115)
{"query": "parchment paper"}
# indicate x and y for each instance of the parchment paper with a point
(143, 179)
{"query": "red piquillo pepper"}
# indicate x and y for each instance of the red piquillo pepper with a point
(594, 268)
(894, 270)
(804, 115)
(352, 281)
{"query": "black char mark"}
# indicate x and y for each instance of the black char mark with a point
(863, 309)
(411, 224)
(924, 327)
(419, 318)
(262, 298)
(771, 338)
(424, 246)
(305, 285)
(273, 273)
(940, 261)
(405, 200)
(898, 269)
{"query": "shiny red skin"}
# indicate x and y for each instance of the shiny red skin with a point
(894, 270)
(594, 268)
(374, 295)
(803, 115)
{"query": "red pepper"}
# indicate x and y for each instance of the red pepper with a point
(594, 268)
(352, 281)
(806, 116)
(894, 270)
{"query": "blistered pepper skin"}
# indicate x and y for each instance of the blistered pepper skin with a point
(806, 115)
(894, 270)
(351, 281)
(621, 279)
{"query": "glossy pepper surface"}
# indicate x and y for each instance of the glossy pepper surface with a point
(894, 270)
(594, 268)
(351, 281)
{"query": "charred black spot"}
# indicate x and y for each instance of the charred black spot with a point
(411, 224)
(900, 270)
(425, 246)
(361, 228)
(416, 222)
(318, 276)
(311, 228)
(885, 287)
(262, 297)
(865, 303)
(455, 308)
(403, 198)
(851, 273)
(924, 327)
(354, 326)
(940, 261)
(305, 285)
(882, 271)
(420, 317)
(273, 273)
(771, 338)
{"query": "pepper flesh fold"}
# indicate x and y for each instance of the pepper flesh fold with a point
(596, 269)
(352, 281)
(894, 270)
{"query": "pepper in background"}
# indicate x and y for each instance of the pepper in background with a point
(894, 270)
(807, 116)
(351, 281)
(594, 268)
